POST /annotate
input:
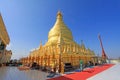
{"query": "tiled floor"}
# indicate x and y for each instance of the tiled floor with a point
(12, 73)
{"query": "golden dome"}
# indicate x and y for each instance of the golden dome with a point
(59, 28)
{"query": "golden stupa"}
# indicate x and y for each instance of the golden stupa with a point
(60, 48)
(58, 29)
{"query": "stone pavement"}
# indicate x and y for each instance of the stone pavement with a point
(112, 73)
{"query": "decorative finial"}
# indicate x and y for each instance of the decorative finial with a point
(59, 15)
(82, 44)
(40, 43)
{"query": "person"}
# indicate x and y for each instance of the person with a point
(81, 65)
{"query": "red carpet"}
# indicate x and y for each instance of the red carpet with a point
(85, 74)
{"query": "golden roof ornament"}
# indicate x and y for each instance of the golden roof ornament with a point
(40, 46)
(59, 15)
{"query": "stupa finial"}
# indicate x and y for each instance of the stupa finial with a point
(59, 15)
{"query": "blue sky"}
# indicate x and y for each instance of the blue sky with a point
(29, 21)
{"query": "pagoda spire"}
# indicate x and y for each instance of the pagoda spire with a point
(56, 30)
(40, 45)
(59, 15)
(82, 44)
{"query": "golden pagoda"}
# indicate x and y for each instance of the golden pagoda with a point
(60, 48)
